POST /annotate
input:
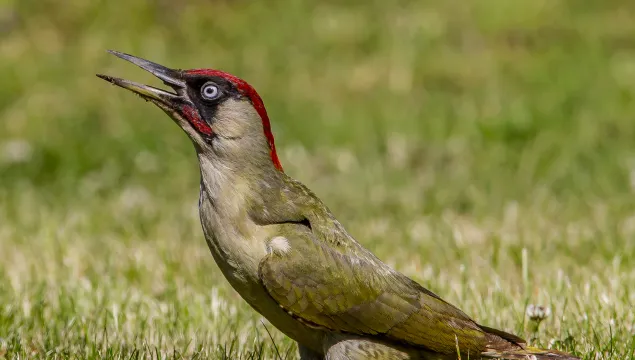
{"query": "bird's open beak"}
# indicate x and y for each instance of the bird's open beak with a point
(172, 78)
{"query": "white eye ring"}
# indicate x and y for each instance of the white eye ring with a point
(210, 91)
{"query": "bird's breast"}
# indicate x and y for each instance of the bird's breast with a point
(238, 246)
(235, 243)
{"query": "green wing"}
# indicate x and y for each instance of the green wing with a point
(341, 289)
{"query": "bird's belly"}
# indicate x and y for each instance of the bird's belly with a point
(250, 289)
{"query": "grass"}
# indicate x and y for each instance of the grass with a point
(483, 148)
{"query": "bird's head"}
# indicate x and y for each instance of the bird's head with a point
(222, 114)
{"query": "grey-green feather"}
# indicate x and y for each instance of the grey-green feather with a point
(327, 280)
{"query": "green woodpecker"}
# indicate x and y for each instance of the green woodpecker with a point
(285, 253)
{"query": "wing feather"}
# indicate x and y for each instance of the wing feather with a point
(339, 290)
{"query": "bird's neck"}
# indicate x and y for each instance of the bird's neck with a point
(232, 187)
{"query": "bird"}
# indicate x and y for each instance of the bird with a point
(281, 248)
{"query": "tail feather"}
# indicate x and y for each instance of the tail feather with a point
(498, 336)
(528, 353)
(502, 345)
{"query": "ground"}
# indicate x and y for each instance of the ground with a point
(484, 148)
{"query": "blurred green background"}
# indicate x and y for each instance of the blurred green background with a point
(484, 148)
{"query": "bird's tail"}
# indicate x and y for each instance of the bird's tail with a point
(528, 353)
(506, 346)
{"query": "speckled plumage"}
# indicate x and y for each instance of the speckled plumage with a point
(285, 253)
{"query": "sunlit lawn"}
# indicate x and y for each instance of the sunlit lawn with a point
(484, 148)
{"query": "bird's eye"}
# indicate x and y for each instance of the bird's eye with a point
(210, 91)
